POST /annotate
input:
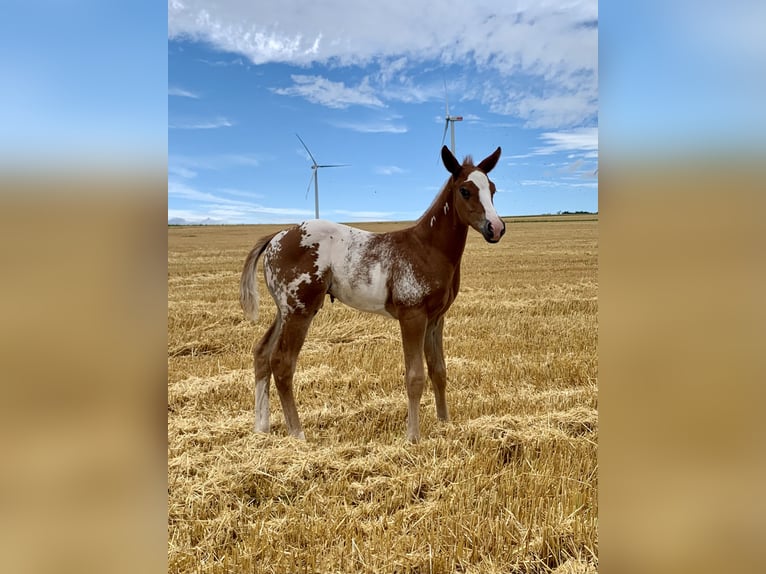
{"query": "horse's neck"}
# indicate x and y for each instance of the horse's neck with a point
(441, 229)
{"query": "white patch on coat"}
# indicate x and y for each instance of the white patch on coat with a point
(407, 288)
(446, 208)
(275, 246)
(319, 233)
(433, 218)
(481, 181)
(278, 290)
(358, 279)
(292, 289)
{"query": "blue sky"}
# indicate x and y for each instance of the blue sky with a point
(364, 84)
(679, 79)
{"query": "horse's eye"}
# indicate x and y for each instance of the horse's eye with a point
(465, 192)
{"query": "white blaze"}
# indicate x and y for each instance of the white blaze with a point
(485, 198)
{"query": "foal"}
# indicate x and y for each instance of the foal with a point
(411, 275)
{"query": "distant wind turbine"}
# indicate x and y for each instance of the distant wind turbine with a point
(315, 167)
(449, 122)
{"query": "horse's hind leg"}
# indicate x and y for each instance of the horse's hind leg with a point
(262, 368)
(283, 360)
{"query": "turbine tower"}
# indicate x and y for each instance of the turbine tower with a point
(449, 121)
(315, 167)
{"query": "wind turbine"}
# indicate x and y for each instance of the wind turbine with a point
(449, 121)
(315, 167)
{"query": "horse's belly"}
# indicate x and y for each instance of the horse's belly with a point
(354, 262)
(368, 292)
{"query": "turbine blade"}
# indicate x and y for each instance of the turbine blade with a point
(311, 179)
(444, 135)
(335, 165)
(306, 148)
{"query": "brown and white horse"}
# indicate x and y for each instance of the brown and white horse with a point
(411, 275)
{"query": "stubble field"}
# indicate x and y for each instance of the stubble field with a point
(508, 485)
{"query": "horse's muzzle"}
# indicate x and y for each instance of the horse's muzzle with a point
(491, 234)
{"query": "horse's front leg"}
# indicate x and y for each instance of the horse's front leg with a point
(413, 326)
(437, 370)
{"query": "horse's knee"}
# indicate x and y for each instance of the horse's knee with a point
(415, 384)
(277, 364)
(437, 374)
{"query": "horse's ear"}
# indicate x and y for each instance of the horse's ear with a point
(450, 162)
(489, 162)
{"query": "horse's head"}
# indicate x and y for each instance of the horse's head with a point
(473, 192)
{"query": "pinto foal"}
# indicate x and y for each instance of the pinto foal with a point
(411, 275)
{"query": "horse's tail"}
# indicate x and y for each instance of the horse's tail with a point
(248, 287)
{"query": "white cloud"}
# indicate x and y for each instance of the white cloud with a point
(547, 105)
(188, 166)
(240, 193)
(558, 109)
(537, 61)
(222, 63)
(579, 144)
(388, 170)
(215, 123)
(176, 91)
(404, 88)
(392, 70)
(203, 206)
(539, 36)
(325, 92)
(582, 140)
(181, 171)
(372, 127)
(366, 215)
(182, 191)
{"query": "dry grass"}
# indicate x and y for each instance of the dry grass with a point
(510, 485)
